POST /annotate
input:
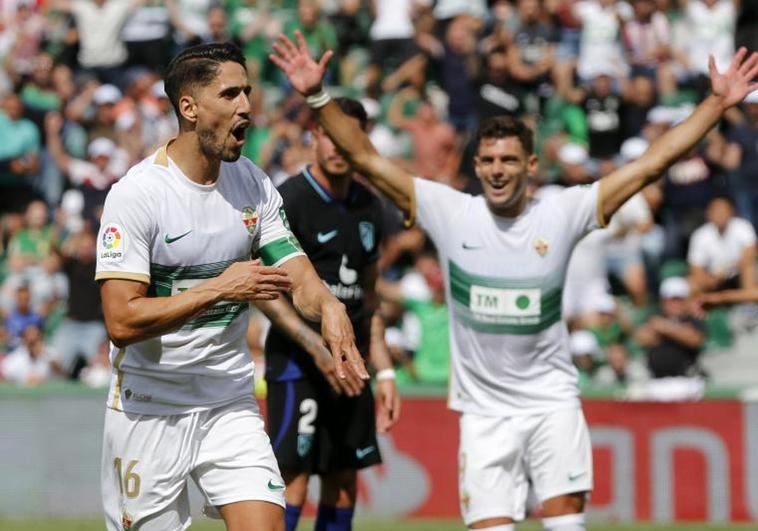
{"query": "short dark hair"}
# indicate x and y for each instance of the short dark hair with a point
(504, 127)
(198, 66)
(354, 109)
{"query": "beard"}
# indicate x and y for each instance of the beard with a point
(216, 148)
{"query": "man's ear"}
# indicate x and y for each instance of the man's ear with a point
(188, 108)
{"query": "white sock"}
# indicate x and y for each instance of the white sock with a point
(566, 522)
(501, 527)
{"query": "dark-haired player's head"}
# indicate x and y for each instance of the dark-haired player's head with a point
(328, 157)
(503, 162)
(209, 90)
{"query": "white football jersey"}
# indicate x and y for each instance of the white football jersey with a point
(504, 280)
(160, 228)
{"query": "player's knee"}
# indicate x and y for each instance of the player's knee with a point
(297, 487)
(493, 524)
(339, 488)
(565, 522)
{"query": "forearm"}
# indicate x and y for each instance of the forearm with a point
(378, 352)
(682, 333)
(747, 269)
(142, 317)
(283, 316)
(55, 147)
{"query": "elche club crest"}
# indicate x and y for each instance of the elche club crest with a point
(541, 246)
(250, 219)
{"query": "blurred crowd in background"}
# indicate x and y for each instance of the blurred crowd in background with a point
(598, 80)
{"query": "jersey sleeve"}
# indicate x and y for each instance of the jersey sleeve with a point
(277, 244)
(125, 237)
(436, 205)
(582, 208)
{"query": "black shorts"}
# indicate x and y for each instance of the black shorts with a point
(391, 53)
(313, 430)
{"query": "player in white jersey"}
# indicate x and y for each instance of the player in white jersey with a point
(188, 238)
(505, 258)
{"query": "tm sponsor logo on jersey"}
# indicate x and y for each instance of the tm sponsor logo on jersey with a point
(512, 306)
(112, 243)
(324, 237)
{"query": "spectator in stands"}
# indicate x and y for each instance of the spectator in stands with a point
(610, 327)
(585, 352)
(711, 26)
(647, 39)
(22, 315)
(498, 92)
(723, 251)
(434, 141)
(392, 39)
(101, 49)
(19, 154)
(602, 107)
(31, 245)
(674, 338)
(82, 331)
(431, 360)
(31, 363)
(147, 35)
(459, 72)
(532, 55)
(600, 43)
(745, 136)
(105, 164)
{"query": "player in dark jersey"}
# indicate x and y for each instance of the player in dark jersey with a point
(320, 424)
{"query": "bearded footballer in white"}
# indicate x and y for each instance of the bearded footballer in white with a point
(175, 261)
(504, 258)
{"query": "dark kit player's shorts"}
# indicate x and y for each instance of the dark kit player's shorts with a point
(315, 431)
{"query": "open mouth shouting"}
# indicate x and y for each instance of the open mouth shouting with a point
(238, 132)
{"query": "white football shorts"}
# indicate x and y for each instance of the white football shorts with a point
(501, 456)
(148, 459)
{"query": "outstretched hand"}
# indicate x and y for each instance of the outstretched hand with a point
(737, 81)
(302, 71)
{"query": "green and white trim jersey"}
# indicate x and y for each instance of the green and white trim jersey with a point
(160, 228)
(504, 279)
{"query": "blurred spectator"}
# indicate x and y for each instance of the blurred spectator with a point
(98, 372)
(392, 39)
(610, 327)
(82, 331)
(19, 154)
(318, 32)
(101, 50)
(32, 244)
(431, 360)
(498, 92)
(147, 35)
(584, 351)
(94, 176)
(31, 363)
(434, 141)
(459, 72)
(711, 26)
(673, 339)
(723, 251)
(22, 315)
(600, 45)
(647, 39)
(190, 20)
(602, 108)
(532, 55)
(745, 136)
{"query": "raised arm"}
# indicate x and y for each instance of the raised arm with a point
(306, 76)
(728, 88)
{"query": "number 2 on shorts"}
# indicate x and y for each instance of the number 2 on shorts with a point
(128, 483)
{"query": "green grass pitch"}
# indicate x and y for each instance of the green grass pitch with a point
(202, 524)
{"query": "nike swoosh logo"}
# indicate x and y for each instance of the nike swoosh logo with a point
(470, 247)
(274, 486)
(169, 239)
(360, 453)
(572, 477)
(324, 237)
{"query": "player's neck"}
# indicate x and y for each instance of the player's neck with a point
(197, 166)
(337, 185)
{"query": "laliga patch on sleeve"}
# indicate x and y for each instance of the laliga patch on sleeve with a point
(112, 243)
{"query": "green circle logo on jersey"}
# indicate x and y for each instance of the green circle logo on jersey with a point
(522, 302)
(250, 219)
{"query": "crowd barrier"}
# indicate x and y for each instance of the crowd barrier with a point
(686, 461)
